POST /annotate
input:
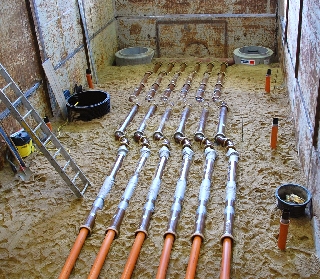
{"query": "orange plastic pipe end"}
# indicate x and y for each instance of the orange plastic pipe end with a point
(282, 240)
(226, 258)
(267, 86)
(103, 252)
(133, 256)
(274, 134)
(268, 81)
(89, 78)
(165, 256)
(194, 256)
(74, 253)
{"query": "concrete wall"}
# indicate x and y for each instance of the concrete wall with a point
(300, 42)
(196, 28)
(33, 31)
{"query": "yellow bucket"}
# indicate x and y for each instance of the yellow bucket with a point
(23, 143)
(26, 149)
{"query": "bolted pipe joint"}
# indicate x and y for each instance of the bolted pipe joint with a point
(118, 135)
(199, 137)
(178, 137)
(158, 136)
(124, 141)
(144, 141)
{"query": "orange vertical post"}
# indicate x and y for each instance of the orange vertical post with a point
(274, 133)
(284, 227)
(268, 81)
(89, 78)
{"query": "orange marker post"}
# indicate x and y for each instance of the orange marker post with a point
(284, 227)
(274, 133)
(268, 81)
(89, 78)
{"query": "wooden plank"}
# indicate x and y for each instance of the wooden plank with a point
(56, 87)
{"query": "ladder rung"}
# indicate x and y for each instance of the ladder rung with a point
(66, 165)
(27, 114)
(16, 102)
(57, 153)
(4, 88)
(85, 188)
(47, 140)
(39, 125)
(75, 177)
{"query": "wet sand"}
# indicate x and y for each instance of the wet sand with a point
(40, 218)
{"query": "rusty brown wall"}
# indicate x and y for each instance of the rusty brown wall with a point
(33, 31)
(196, 28)
(300, 46)
(18, 55)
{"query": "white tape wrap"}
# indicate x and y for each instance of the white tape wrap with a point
(231, 190)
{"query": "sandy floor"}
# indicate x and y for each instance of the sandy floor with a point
(40, 219)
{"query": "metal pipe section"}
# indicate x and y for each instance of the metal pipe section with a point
(158, 134)
(148, 209)
(156, 85)
(176, 207)
(172, 83)
(227, 237)
(113, 231)
(204, 193)
(88, 225)
(117, 218)
(141, 86)
(221, 75)
(105, 189)
(119, 134)
(179, 134)
(139, 134)
(185, 89)
(170, 234)
(203, 84)
(220, 137)
(142, 231)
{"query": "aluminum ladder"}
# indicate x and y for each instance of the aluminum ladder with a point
(42, 136)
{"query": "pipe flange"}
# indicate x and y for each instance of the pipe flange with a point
(137, 136)
(157, 135)
(166, 143)
(118, 134)
(170, 232)
(141, 230)
(226, 235)
(115, 230)
(198, 137)
(197, 234)
(124, 141)
(86, 227)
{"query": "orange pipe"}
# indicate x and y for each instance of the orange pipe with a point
(133, 256)
(194, 256)
(226, 258)
(104, 249)
(268, 81)
(274, 134)
(282, 240)
(284, 227)
(165, 256)
(89, 78)
(74, 253)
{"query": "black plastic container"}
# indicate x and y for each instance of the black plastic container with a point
(296, 210)
(88, 105)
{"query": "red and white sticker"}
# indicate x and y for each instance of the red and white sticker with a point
(248, 62)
